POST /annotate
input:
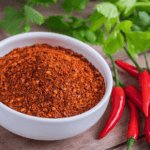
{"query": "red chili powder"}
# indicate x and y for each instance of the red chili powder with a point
(49, 82)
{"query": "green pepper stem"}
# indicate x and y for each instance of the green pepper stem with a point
(120, 83)
(136, 64)
(115, 71)
(146, 60)
(131, 141)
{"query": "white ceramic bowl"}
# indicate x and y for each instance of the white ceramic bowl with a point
(60, 128)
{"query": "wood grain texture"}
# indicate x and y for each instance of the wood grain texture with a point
(139, 145)
(116, 139)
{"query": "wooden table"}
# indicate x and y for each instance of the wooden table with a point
(115, 140)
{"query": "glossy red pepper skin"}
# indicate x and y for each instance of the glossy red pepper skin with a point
(128, 68)
(133, 127)
(147, 128)
(144, 82)
(134, 95)
(118, 103)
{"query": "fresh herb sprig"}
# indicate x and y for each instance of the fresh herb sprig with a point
(114, 24)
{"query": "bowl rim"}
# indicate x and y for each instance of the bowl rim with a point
(109, 80)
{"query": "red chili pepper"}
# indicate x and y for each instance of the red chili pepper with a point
(134, 95)
(144, 82)
(133, 127)
(147, 128)
(118, 103)
(128, 68)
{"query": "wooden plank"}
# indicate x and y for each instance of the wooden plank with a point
(138, 145)
(87, 140)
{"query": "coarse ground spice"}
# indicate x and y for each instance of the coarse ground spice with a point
(49, 82)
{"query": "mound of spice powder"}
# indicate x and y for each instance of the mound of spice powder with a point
(49, 82)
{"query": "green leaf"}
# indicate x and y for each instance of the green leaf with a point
(30, 2)
(69, 5)
(77, 35)
(107, 26)
(126, 6)
(143, 6)
(24, 28)
(100, 37)
(97, 21)
(137, 41)
(69, 33)
(124, 25)
(135, 20)
(114, 42)
(90, 36)
(131, 47)
(141, 21)
(33, 16)
(12, 21)
(148, 30)
(82, 32)
(112, 1)
(76, 21)
(109, 23)
(144, 18)
(136, 28)
(107, 9)
(43, 2)
(79, 4)
(57, 23)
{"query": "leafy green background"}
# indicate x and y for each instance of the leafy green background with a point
(113, 23)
